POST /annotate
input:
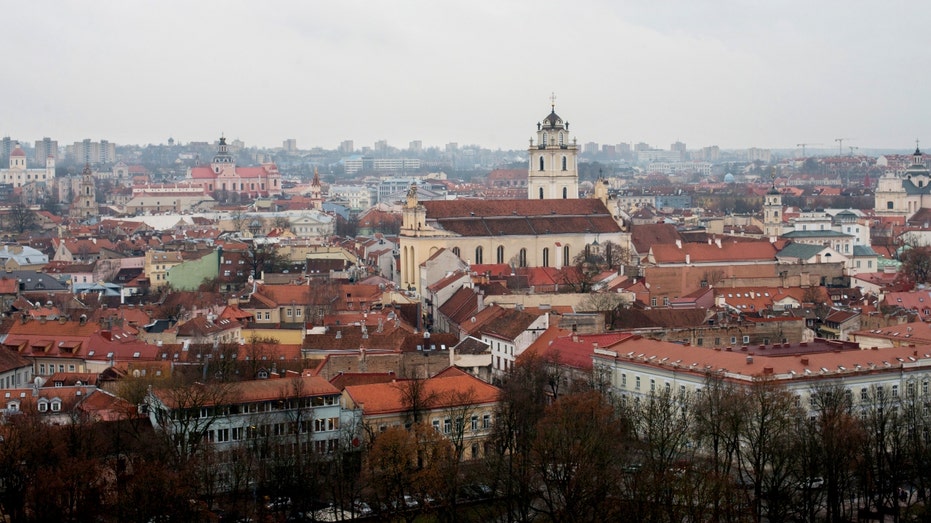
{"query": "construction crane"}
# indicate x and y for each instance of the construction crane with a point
(803, 145)
(852, 149)
(840, 145)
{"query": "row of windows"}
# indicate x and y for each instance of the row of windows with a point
(264, 406)
(447, 424)
(270, 429)
(51, 368)
(521, 255)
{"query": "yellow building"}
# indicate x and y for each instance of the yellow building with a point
(157, 264)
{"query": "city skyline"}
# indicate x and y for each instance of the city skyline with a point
(724, 73)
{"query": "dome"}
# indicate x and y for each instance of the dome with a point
(553, 121)
(18, 151)
(729, 178)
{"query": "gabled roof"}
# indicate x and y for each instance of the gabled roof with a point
(520, 217)
(450, 388)
(647, 235)
(510, 324)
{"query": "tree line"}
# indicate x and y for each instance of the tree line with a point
(557, 450)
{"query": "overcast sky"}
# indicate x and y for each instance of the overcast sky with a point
(728, 73)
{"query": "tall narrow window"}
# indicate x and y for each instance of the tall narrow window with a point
(564, 163)
(541, 163)
(546, 256)
(565, 255)
(456, 251)
(565, 193)
(478, 254)
(500, 257)
(541, 193)
(522, 258)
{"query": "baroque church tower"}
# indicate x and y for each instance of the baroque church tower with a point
(772, 210)
(554, 170)
(84, 204)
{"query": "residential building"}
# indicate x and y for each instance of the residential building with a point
(157, 264)
(456, 404)
(276, 410)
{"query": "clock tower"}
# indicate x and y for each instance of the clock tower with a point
(553, 171)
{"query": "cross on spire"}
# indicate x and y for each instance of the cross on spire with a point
(553, 101)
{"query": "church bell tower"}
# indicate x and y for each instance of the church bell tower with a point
(553, 171)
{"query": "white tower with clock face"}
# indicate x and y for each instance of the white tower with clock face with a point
(554, 169)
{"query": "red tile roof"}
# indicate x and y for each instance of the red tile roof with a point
(450, 388)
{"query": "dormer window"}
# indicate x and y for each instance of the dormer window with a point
(43, 405)
(56, 405)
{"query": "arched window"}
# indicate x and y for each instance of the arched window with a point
(522, 258)
(565, 255)
(500, 257)
(565, 193)
(546, 256)
(541, 163)
(564, 163)
(541, 193)
(456, 251)
(478, 254)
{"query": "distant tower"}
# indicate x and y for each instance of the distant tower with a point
(553, 167)
(84, 204)
(772, 210)
(223, 158)
(316, 191)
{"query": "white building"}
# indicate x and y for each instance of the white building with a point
(637, 367)
(19, 174)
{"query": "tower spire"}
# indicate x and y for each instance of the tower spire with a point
(553, 101)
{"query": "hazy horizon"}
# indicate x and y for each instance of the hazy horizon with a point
(726, 73)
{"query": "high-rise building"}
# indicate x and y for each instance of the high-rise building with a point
(415, 146)
(590, 148)
(44, 148)
(93, 153)
(381, 146)
(346, 147)
(678, 147)
(289, 145)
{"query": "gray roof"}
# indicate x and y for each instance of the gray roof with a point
(863, 250)
(36, 281)
(816, 234)
(801, 251)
